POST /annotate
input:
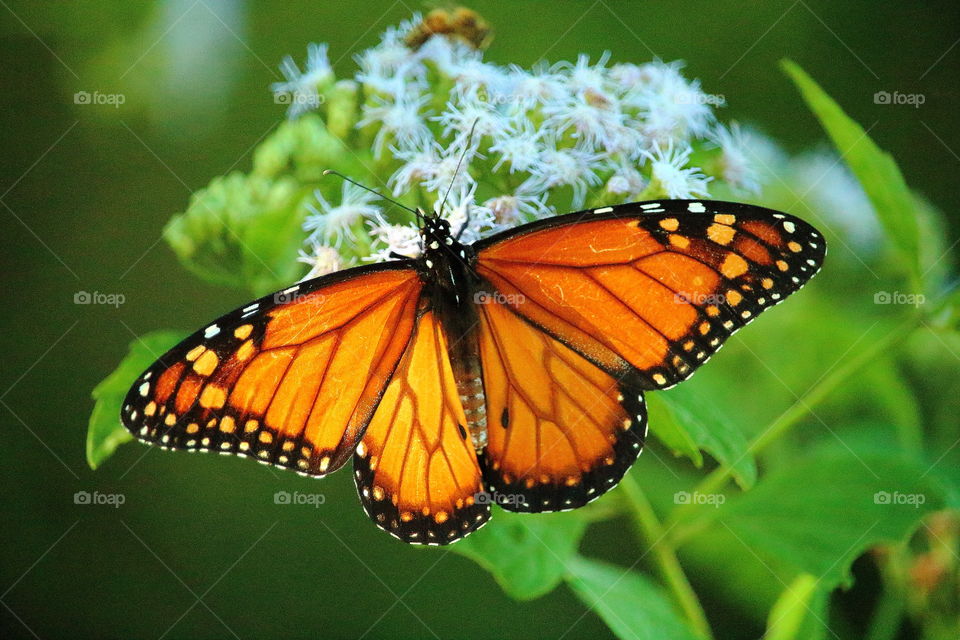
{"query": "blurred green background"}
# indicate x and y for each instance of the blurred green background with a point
(86, 190)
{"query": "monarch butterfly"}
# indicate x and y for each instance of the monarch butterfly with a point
(509, 371)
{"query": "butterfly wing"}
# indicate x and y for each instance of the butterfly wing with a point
(652, 288)
(560, 431)
(416, 469)
(291, 379)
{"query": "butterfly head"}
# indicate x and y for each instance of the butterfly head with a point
(436, 229)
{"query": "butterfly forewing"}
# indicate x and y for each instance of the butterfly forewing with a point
(291, 379)
(654, 288)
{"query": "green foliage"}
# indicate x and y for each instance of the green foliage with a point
(632, 605)
(242, 232)
(876, 170)
(799, 606)
(687, 423)
(104, 432)
(819, 514)
(527, 556)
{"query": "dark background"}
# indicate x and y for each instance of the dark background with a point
(86, 189)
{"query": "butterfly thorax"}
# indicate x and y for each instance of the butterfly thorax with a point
(452, 286)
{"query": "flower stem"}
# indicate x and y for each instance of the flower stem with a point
(654, 535)
(715, 480)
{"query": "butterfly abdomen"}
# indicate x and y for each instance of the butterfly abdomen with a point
(469, 375)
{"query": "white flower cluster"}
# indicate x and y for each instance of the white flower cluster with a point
(545, 140)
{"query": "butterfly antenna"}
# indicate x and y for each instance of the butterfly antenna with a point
(457, 170)
(376, 193)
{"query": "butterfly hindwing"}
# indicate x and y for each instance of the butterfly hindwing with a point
(655, 287)
(560, 431)
(416, 469)
(291, 379)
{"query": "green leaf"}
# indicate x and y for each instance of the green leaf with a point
(632, 605)
(686, 423)
(243, 232)
(799, 612)
(875, 169)
(527, 554)
(817, 515)
(664, 424)
(105, 433)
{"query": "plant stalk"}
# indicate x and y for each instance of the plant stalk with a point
(654, 535)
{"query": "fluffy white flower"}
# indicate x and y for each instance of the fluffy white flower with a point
(322, 260)
(582, 76)
(595, 120)
(512, 209)
(527, 89)
(448, 55)
(518, 144)
(300, 89)
(331, 223)
(392, 239)
(468, 220)
(438, 169)
(736, 167)
(476, 75)
(469, 111)
(546, 138)
(673, 109)
(670, 169)
(626, 182)
(417, 165)
(399, 118)
(574, 167)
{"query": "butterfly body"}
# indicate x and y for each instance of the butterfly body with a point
(511, 371)
(451, 291)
